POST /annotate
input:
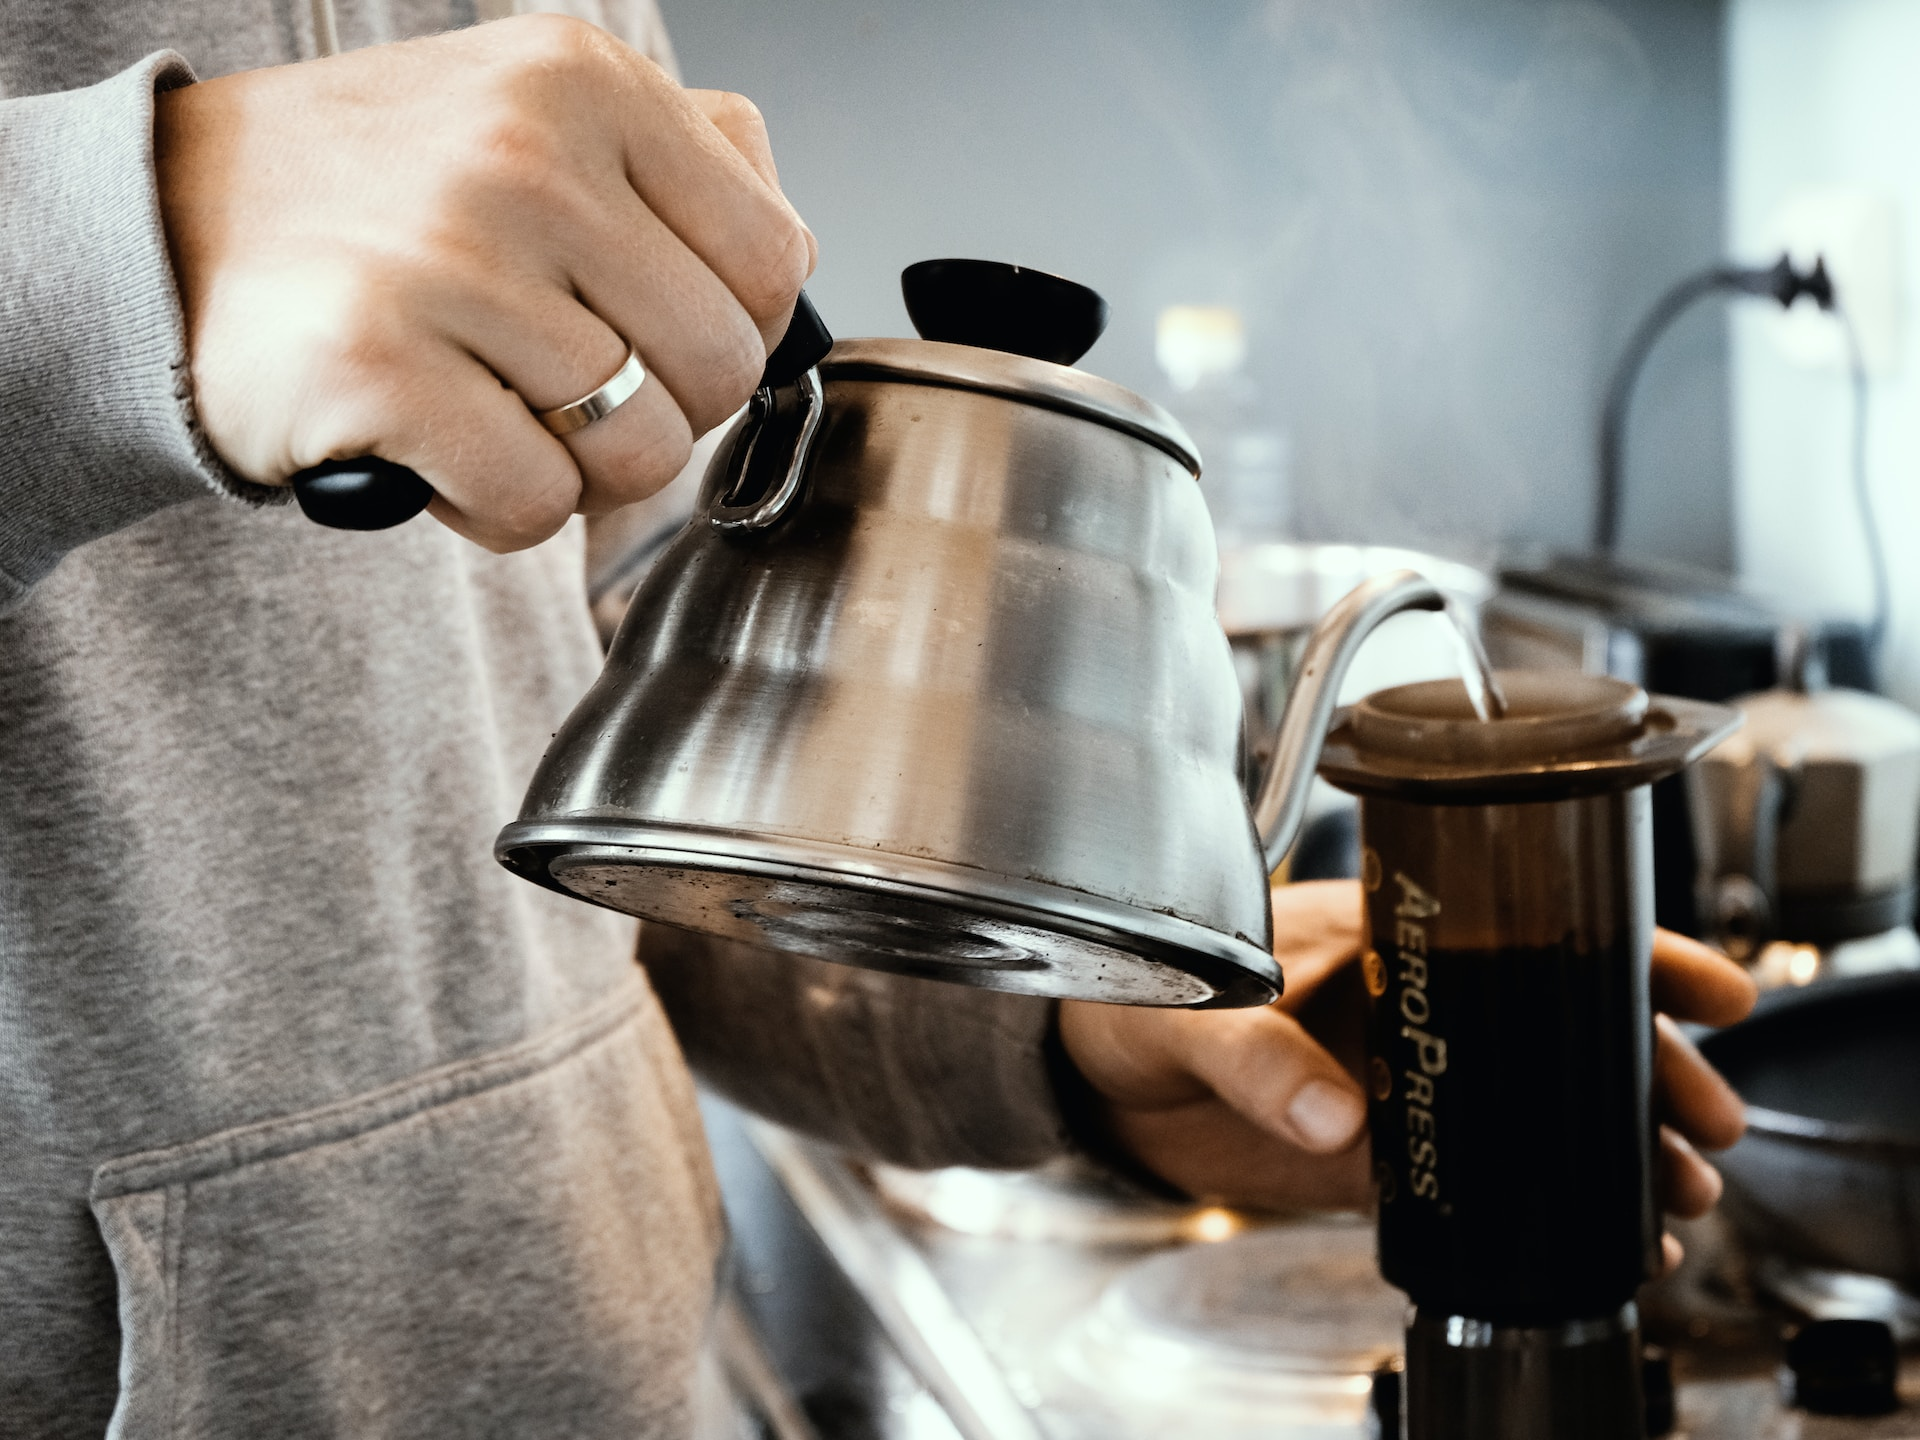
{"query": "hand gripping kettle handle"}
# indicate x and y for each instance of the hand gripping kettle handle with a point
(368, 493)
(804, 346)
(1303, 725)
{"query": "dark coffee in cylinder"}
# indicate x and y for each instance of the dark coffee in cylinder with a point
(1511, 1042)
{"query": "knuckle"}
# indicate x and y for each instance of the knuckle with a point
(512, 483)
(533, 514)
(648, 463)
(511, 147)
(736, 111)
(665, 455)
(545, 42)
(361, 332)
(733, 374)
(777, 265)
(515, 122)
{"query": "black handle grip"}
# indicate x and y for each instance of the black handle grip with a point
(1003, 307)
(804, 346)
(368, 493)
(365, 493)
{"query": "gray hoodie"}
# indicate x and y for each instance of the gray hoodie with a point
(313, 1121)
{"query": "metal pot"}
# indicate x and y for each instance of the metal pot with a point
(933, 682)
(1829, 1172)
(1806, 823)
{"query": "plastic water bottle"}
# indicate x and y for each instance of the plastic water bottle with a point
(1245, 458)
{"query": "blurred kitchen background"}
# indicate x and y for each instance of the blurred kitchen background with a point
(1438, 225)
(1382, 257)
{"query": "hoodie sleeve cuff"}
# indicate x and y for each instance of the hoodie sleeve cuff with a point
(97, 429)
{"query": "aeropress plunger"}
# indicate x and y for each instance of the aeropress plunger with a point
(1507, 865)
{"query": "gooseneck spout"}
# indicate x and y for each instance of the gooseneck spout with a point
(1303, 726)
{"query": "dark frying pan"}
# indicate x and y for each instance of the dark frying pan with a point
(1829, 1172)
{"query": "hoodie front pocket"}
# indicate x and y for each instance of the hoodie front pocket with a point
(518, 1246)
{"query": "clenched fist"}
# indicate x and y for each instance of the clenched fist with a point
(397, 251)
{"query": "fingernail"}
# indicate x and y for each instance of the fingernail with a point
(1326, 1116)
(1716, 1184)
(1672, 1252)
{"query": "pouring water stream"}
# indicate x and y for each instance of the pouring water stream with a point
(1476, 672)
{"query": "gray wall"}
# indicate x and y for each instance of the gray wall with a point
(1441, 217)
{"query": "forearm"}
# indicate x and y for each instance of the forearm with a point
(915, 1072)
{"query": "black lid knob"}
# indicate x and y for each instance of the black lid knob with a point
(1003, 307)
(1844, 1367)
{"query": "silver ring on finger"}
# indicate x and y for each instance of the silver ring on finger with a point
(601, 402)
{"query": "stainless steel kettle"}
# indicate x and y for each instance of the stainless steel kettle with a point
(933, 683)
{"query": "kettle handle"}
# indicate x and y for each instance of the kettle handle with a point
(759, 512)
(364, 493)
(1303, 724)
(792, 367)
(368, 493)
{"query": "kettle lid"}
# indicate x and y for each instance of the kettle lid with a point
(1014, 332)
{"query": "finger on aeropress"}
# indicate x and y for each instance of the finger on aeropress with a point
(1689, 1186)
(1695, 982)
(1671, 1254)
(1691, 1095)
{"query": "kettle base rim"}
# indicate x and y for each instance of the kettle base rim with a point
(886, 911)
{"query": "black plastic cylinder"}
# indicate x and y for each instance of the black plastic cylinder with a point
(1511, 1040)
(1511, 1072)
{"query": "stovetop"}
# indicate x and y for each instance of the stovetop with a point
(963, 1306)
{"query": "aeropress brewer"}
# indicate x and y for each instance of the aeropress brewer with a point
(1507, 867)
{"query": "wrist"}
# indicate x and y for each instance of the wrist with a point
(1087, 1118)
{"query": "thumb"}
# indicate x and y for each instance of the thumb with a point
(1273, 1072)
(1260, 1063)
